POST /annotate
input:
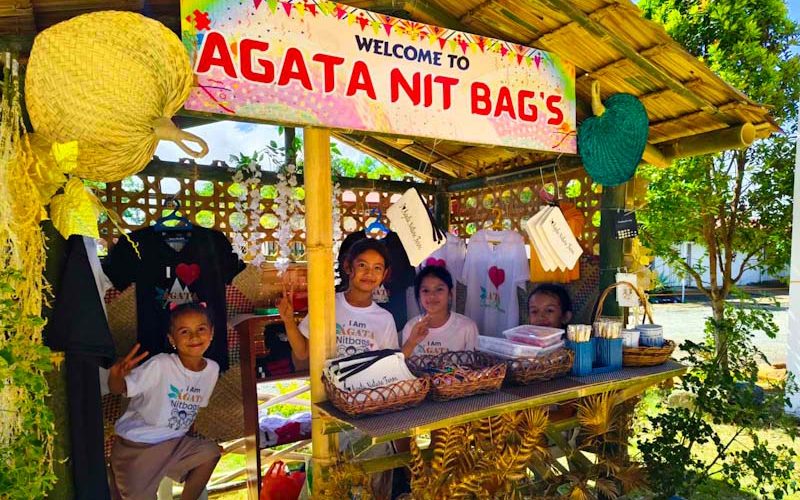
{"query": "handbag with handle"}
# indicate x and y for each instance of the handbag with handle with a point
(277, 484)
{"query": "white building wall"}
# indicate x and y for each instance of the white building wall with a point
(697, 254)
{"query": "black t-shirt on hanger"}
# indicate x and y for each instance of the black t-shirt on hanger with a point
(196, 272)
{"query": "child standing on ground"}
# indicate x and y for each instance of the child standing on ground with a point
(438, 329)
(361, 326)
(166, 393)
(549, 305)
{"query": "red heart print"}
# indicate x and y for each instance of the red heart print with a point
(497, 276)
(433, 261)
(188, 273)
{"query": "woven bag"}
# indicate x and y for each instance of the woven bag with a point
(111, 81)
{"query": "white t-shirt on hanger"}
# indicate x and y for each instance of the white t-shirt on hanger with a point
(496, 265)
(360, 329)
(459, 333)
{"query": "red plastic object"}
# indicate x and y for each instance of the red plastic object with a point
(278, 485)
(300, 301)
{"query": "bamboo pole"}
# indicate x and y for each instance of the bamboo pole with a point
(321, 312)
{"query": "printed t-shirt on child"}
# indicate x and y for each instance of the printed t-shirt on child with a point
(459, 333)
(165, 398)
(360, 329)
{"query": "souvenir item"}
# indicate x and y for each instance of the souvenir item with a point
(626, 295)
(625, 225)
(553, 239)
(111, 81)
(412, 221)
(612, 142)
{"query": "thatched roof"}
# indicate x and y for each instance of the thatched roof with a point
(607, 40)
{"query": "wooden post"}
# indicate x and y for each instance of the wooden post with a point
(321, 312)
(441, 208)
(610, 248)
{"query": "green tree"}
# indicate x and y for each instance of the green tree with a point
(736, 202)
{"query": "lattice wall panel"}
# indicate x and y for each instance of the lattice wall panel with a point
(140, 201)
(472, 210)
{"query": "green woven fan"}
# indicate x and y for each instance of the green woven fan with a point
(611, 143)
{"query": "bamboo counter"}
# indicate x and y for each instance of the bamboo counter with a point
(431, 415)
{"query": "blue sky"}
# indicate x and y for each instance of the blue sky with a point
(228, 138)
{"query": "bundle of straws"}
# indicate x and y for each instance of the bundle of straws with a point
(579, 333)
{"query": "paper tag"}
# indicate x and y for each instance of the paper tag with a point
(626, 297)
(539, 240)
(409, 218)
(561, 239)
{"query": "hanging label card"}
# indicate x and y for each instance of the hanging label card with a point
(410, 219)
(625, 225)
(539, 240)
(626, 297)
(562, 240)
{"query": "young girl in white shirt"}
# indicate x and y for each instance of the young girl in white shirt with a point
(438, 329)
(166, 393)
(361, 324)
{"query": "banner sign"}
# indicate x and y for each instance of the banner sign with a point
(325, 64)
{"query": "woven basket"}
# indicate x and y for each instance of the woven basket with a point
(546, 367)
(475, 373)
(639, 356)
(111, 81)
(388, 398)
(647, 356)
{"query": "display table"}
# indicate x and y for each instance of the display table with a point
(432, 415)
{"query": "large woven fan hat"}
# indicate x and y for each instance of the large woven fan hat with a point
(611, 143)
(111, 81)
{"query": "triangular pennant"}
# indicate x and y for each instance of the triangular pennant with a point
(388, 27)
(453, 45)
(442, 41)
(519, 59)
(482, 43)
(503, 50)
(301, 9)
(528, 61)
(538, 60)
(312, 8)
(327, 7)
(340, 12)
(287, 6)
(376, 26)
(273, 5)
(256, 3)
(363, 21)
(351, 18)
(463, 44)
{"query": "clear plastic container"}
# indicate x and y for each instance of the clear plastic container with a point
(535, 341)
(534, 331)
(508, 348)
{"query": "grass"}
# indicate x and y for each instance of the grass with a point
(716, 488)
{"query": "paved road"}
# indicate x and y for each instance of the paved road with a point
(686, 321)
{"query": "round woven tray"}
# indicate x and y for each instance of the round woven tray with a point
(647, 356)
(476, 373)
(546, 367)
(392, 397)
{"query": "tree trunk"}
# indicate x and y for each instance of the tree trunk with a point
(720, 333)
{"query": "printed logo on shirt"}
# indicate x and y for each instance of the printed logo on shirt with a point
(380, 295)
(490, 300)
(434, 347)
(354, 337)
(184, 405)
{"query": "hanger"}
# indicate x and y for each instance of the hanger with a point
(497, 225)
(182, 223)
(377, 224)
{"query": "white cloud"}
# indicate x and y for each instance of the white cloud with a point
(226, 138)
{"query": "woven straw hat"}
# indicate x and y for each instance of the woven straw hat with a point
(111, 81)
